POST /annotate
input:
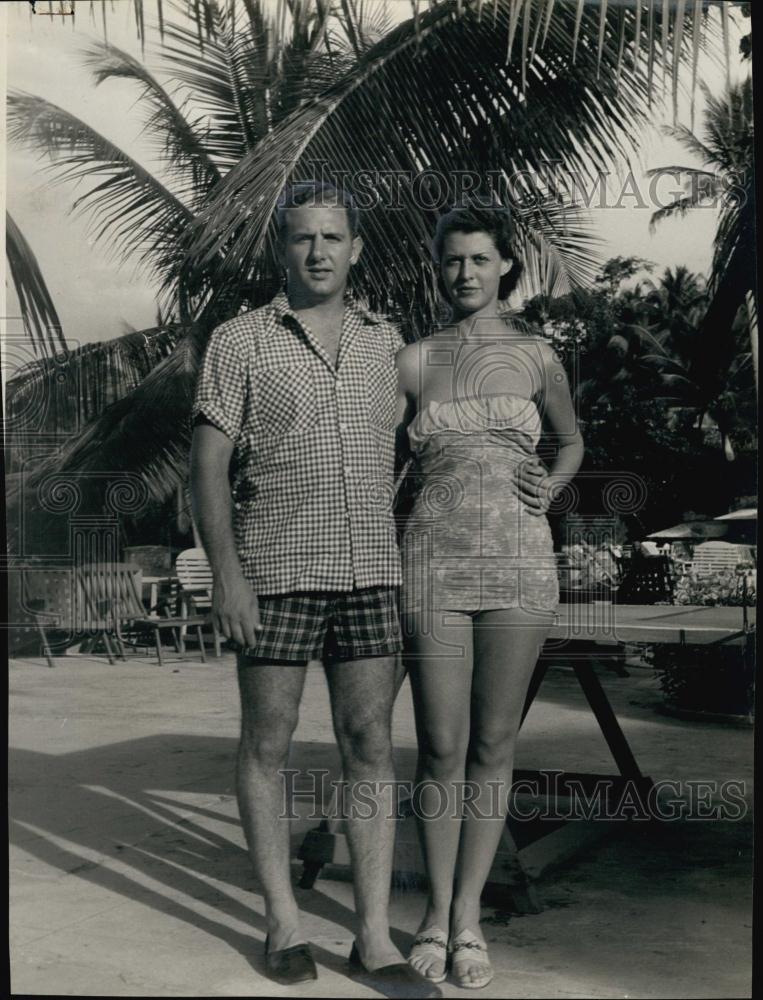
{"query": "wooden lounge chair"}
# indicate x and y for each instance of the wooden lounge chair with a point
(56, 599)
(112, 592)
(195, 576)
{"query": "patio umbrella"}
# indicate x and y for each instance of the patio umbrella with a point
(690, 531)
(747, 514)
(741, 525)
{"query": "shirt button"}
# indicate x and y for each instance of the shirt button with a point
(343, 427)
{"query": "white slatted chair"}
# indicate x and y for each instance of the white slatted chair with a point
(711, 557)
(195, 577)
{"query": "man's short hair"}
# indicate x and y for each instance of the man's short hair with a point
(482, 217)
(316, 194)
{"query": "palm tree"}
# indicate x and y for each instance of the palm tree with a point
(648, 340)
(675, 307)
(502, 87)
(726, 178)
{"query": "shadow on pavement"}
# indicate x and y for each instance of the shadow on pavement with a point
(116, 817)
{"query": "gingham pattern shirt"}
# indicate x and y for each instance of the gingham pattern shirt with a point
(313, 461)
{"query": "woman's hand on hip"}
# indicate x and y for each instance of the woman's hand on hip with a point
(534, 486)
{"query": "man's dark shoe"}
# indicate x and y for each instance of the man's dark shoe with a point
(290, 965)
(396, 980)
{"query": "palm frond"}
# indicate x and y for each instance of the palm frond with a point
(677, 38)
(307, 66)
(576, 30)
(554, 239)
(202, 15)
(682, 204)
(650, 49)
(180, 144)
(227, 83)
(142, 219)
(695, 45)
(146, 430)
(729, 127)
(39, 315)
(76, 387)
(690, 142)
(736, 229)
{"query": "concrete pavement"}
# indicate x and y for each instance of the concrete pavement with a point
(129, 875)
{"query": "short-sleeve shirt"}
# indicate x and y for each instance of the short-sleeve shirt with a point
(314, 447)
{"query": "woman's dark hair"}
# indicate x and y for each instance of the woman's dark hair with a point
(478, 218)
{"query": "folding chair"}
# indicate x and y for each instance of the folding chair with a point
(56, 600)
(112, 591)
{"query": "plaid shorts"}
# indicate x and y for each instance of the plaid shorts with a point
(326, 625)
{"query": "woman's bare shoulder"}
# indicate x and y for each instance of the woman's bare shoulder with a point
(410, 362)
(409, 354)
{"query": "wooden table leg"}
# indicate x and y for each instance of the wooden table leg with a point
(605, 716)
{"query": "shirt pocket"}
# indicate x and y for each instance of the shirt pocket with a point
(382, 395)
(284, 400)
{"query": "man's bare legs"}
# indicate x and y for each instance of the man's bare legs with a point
(506, 648)
(441, 680)
(362, 696)
(270, 695)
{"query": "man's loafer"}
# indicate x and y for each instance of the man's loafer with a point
(396, 980)
(290, 965)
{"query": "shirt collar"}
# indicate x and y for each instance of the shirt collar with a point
(357, 308)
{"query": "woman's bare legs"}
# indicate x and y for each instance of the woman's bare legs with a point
(506, 648)
(440, 650)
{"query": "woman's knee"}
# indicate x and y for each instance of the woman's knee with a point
(443, 757)
(492, 750)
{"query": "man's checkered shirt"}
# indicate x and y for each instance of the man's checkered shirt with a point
(313, 461)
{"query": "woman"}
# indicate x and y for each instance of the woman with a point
(480, 583)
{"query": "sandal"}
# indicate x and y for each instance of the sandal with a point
(433, 942)
(468, 950)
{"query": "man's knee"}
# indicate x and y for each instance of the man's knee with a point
(266, 741)
(363, 740)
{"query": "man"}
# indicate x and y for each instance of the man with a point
(301, 394)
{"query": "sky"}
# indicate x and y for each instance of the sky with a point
(97, 299)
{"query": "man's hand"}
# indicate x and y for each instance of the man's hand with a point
(534, 486)
(235, 610)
